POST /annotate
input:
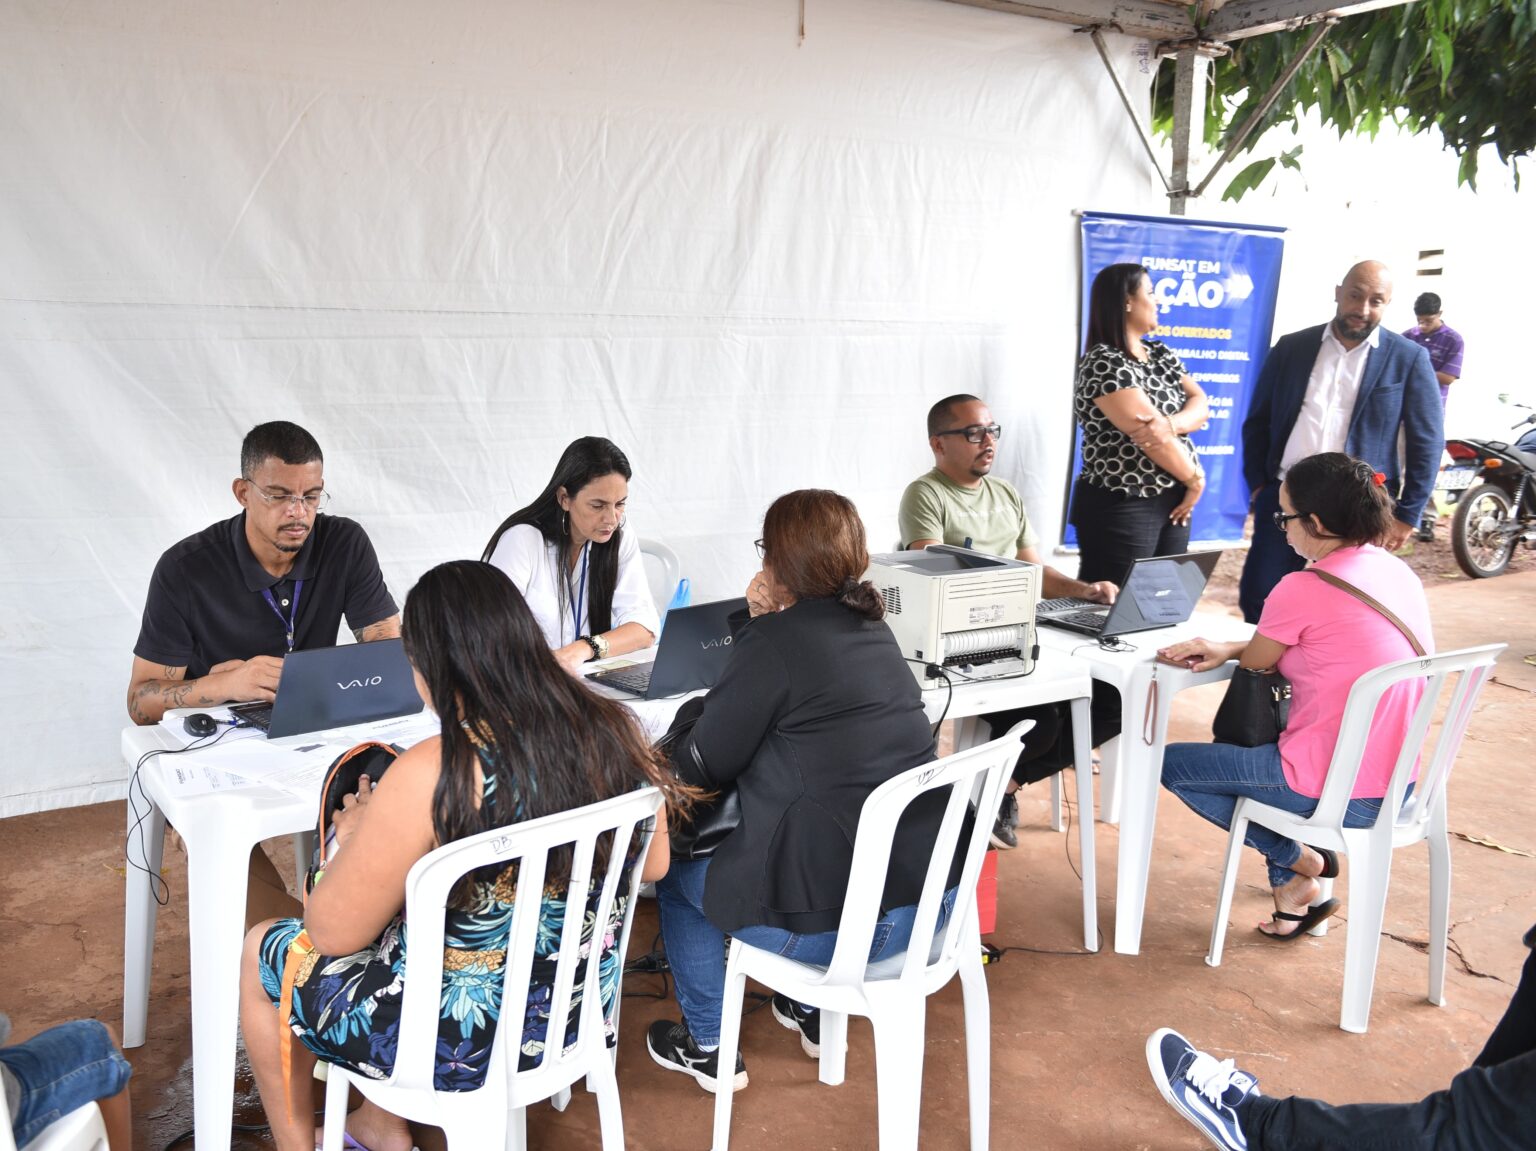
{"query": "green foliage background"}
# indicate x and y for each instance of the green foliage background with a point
(1466, 68)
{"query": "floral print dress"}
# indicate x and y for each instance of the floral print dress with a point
(346, 1008)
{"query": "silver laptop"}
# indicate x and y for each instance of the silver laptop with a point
(1159, 591)
(326, 687)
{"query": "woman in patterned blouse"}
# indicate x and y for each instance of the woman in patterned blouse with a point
(1136, 405)
(520, 739)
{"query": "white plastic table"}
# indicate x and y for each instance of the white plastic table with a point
(220, 830)
(1132, 784)
(1057, 678)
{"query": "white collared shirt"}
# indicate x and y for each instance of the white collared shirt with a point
(534, 566)
(1322, 425)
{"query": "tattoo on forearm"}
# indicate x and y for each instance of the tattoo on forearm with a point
(380, 630)
(171, 690)
(135, 703)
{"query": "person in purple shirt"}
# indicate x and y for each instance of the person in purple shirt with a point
(1443, 343)
(1445, 346)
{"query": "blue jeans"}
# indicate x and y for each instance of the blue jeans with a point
(60, 1070)
(1210, 777)
(1270, 558)
(696, 947)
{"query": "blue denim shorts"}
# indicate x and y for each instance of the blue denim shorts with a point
(60, 1070)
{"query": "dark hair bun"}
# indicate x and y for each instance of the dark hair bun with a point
(863, 597)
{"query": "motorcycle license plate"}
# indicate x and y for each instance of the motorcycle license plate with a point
(1457, 479)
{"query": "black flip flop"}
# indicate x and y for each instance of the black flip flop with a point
(1304, 923)
(1330, 863)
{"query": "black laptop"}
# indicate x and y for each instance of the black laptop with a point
(1159, 591)
(690, 655)
(328, 687)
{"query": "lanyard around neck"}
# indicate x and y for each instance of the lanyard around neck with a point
(293, 615)
(579, 594)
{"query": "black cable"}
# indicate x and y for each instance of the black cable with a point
(935, 671)
(997, 953)
(1111, 643)
(653, 962)
(159, 889)
(242, 1128)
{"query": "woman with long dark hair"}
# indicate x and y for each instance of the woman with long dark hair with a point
(520, 739)
(1136, 405)
(577, 567)
(1334, 512)
(815, 709)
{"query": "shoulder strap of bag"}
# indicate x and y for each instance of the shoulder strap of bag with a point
(1371, 601)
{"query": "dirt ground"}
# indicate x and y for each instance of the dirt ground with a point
(1433, 561)
(1068, 1027)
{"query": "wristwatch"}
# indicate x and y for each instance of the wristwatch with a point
(597, 643)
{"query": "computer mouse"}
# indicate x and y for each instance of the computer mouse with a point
(200, 724)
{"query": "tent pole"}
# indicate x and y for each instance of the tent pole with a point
(1097, 34)
(1252, 122)
(1191, 82)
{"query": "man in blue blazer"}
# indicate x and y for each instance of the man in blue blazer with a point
(1346, 386)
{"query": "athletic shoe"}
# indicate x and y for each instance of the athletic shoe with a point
(806, 1020)
(671, 1046)
(1203, 1089)
(1007, 819)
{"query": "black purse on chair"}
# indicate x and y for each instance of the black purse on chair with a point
(696, 835)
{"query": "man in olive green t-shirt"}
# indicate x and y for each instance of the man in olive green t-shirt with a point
(961, 503)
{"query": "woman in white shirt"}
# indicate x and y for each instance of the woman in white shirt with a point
(569, 555)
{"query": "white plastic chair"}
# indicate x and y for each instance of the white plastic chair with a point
(893, 993)
(1370, 849)
(80, 1130)
(663, 590)
(968, 730)
(493, 1115)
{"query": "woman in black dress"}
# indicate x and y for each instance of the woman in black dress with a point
(1136, 405)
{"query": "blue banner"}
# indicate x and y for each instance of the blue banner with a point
(1215, 285)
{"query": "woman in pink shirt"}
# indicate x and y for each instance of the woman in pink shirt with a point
(1333, 510)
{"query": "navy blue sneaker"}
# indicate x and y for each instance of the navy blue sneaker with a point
(1205, 1090)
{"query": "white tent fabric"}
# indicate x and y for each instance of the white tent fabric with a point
(450, 238)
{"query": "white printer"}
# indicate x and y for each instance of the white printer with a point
(960, 610)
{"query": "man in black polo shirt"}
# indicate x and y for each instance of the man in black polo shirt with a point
(225, 605)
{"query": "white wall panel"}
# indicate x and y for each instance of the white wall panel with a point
(450, 238)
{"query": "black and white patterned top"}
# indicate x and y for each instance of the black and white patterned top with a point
(1110, 460)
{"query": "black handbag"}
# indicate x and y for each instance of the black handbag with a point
(341, 779)
(1255, 709)
(702, 830)
(1258, 701)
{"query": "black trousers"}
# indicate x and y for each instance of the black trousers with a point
(1048, 748)
(1491, 1106)
(1114, 529)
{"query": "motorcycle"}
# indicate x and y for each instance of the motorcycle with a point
(1493, 485)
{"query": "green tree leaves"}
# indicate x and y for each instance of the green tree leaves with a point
(1466, 68)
